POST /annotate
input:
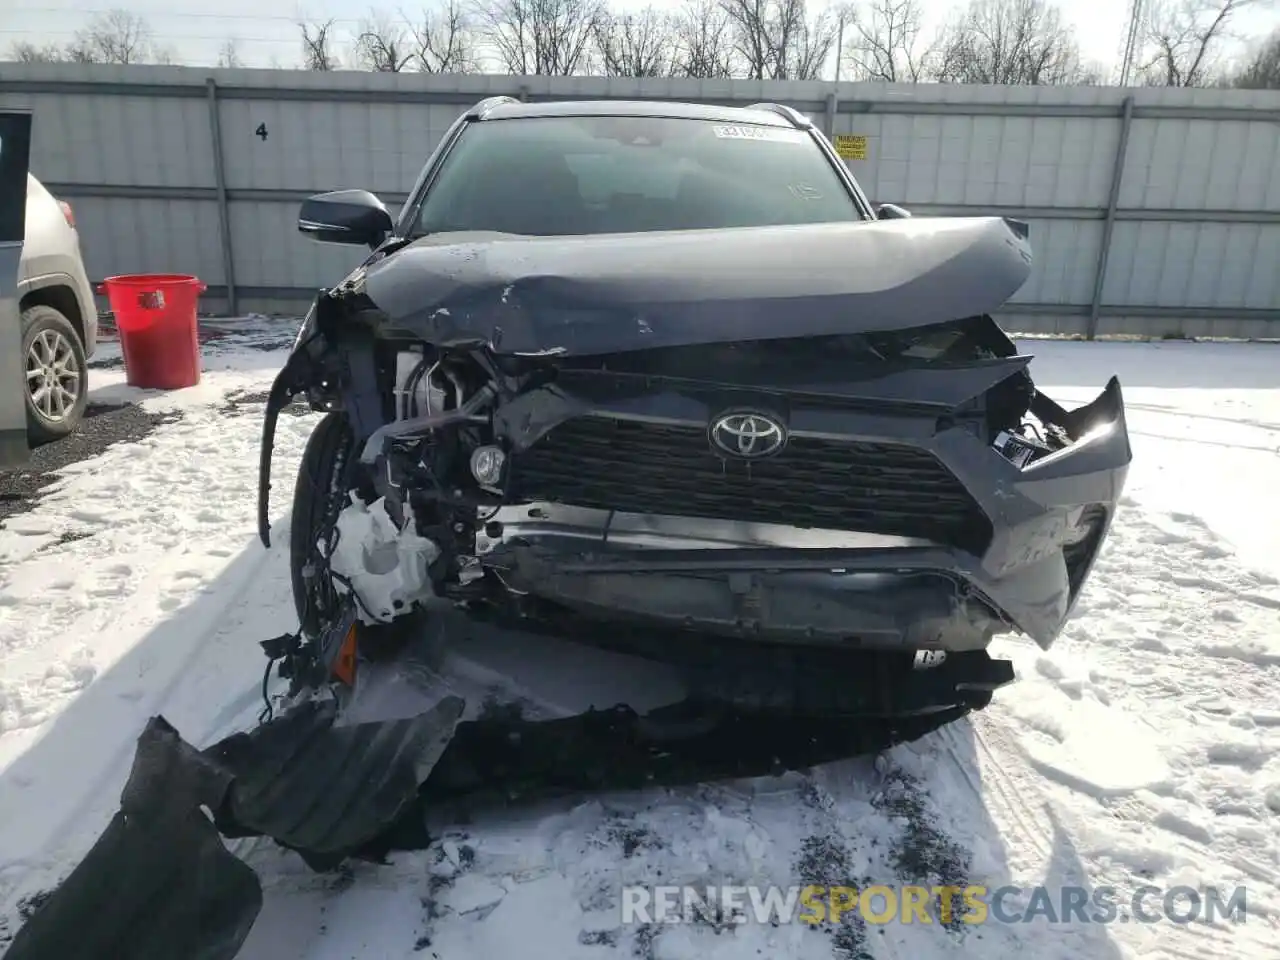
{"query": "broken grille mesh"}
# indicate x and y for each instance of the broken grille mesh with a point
(640, 467)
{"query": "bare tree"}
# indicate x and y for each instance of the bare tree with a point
(25, 52)
(383, 45)
(636, 44)
(445, 40)
(807, 44)
(1009, 42)
(77, 51)
(317, 46)
(1262, 71)
(541, 37)
(116, 36)
(749, 22)
(229, 55)
(778, 40)
(703, 41)
(1183, 37)
(887, 42)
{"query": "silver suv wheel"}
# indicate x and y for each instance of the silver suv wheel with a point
(55, 370)
(53, 375)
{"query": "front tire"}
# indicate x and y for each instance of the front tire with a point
(55, 375)
(325, 477)
(318, 497)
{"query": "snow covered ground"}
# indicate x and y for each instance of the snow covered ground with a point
(1143, 750)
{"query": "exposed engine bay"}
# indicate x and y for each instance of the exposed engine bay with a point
(433, 485)
(542, 434)
(436, 473)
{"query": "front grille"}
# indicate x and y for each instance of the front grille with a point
(638, 467)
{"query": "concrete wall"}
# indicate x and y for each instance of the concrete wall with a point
(168, 171)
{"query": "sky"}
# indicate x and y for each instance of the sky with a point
(266, 33)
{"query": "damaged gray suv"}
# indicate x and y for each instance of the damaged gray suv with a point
(659, 376)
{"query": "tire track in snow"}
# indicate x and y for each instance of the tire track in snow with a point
(1183, 414)
(1169, 668)
(1002, 793)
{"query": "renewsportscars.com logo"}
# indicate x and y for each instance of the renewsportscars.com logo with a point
(971, 905)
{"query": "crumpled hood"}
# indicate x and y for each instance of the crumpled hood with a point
(618, 292)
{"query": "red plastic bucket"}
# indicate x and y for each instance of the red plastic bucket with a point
(156, 318)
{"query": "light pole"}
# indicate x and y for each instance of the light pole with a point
(840, 41)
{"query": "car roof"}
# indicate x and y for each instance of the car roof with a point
(512, 109)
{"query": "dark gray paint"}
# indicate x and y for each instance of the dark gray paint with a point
(602, 294)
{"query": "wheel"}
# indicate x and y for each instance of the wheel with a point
(318, 498)
(57, 384)
(320, 493)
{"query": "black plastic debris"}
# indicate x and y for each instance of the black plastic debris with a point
(618, 749)
(328, 791)
(158, 884)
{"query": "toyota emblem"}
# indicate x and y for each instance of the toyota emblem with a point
(748, 436)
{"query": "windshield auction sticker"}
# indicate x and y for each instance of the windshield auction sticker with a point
(746, 132)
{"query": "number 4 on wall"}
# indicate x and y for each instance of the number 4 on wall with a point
(261, 131)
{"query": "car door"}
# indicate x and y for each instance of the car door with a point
(15, 148)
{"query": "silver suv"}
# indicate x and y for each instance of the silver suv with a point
(59, 317)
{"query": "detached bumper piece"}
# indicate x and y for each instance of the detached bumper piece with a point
(160, 885)
(328, 792)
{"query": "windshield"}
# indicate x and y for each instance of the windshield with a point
(557, 176)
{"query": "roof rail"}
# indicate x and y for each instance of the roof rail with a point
(485, 106)
(793, 116)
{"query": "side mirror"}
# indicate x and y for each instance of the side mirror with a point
(345, 216)
(891, 211)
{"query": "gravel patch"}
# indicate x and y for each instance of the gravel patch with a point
(103, 426)
(246, 403)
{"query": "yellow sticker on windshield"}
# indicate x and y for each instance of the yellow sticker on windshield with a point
(748, 132)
